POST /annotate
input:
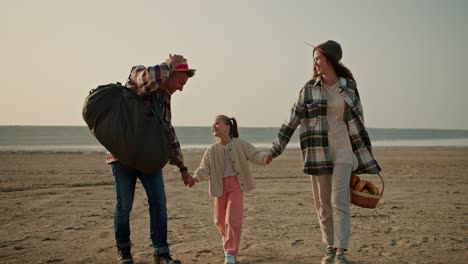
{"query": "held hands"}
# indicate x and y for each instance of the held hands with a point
(187, 178)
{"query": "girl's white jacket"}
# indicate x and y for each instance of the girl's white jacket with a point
(240, 152)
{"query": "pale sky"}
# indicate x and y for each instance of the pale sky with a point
(409, 57)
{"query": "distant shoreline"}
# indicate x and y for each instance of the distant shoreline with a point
(79, 139)
(198, 150)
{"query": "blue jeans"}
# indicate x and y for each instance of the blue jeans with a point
(125, 180)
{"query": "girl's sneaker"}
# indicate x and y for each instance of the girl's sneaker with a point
(229, 259)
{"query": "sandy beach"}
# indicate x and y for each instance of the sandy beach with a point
(58, 208)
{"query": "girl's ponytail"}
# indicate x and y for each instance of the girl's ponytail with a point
(234, 132)
(232, 123)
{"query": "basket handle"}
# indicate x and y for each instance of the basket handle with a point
(383, 184)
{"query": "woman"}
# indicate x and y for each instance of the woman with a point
(334, 143)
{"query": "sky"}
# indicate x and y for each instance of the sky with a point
(408, 56)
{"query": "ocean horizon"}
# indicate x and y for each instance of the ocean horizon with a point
(80, 139)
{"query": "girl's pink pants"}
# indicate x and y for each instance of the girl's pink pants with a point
(228, 214)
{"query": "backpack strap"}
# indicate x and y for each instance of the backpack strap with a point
(157, 105)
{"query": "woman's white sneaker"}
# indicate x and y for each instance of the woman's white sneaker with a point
(330, 257)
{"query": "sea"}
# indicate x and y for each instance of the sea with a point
(80, 139)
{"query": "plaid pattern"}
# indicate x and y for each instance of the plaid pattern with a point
(146, 82)
(310, 112)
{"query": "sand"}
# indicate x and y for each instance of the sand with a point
(58, 208)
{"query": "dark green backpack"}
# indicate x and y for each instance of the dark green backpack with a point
(127, 127)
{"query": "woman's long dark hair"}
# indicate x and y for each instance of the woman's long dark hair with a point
(232, 123)
(340, 69)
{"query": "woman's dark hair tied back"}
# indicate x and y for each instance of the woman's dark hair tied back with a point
(340, 69)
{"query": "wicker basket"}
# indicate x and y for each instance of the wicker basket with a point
(366, 200)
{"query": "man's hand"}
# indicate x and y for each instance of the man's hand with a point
(175, 60)
(187, 178)
(268, 158)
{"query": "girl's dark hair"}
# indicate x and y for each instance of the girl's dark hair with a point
(340, 69)
(232, 123)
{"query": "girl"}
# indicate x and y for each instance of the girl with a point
(225, 165)
(334, 143)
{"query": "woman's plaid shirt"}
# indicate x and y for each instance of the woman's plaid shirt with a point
(145, 81)
(310, 112)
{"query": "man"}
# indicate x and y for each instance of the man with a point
(156, 84)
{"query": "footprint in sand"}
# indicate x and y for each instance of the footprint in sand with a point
(297, 242)
(407, 243)
(49, 239)
(104, 234)
(246, 246)
(205, 252)
(104, 249)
